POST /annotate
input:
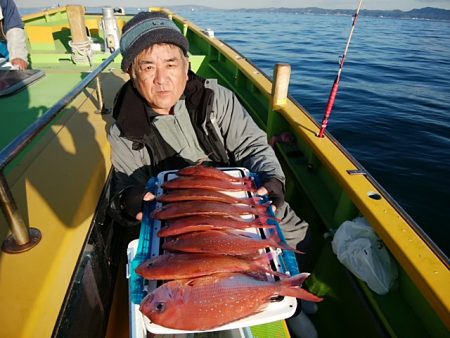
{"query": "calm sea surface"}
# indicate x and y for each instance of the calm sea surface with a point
(392, 110)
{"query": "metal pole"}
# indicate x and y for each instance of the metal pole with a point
(21, 239)
(99, 94)
(335, 87)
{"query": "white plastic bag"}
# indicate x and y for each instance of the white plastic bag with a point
(359, 249)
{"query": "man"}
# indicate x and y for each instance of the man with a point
(168, 118)
(12, 35)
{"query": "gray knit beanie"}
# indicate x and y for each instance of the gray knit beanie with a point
(146, 29)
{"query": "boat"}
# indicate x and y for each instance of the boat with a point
(63, 260)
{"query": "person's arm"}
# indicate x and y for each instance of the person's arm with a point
(131, 173)
(248, 145)
(17, 48)
(15, 35)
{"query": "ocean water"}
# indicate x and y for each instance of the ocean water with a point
(392, 111)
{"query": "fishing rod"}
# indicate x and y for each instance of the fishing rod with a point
(335, 87)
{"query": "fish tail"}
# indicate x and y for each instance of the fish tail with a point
(296, 280)
(248, 180)
(266, 204)
(262, 208)
(274, 238)
(252, 200)
(262, 219)
(265, 226)
(291, 287)
(300, 293)
(265, 260)
(250, 186)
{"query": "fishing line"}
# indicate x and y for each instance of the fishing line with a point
(335, 87)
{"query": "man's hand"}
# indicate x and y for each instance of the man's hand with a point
(147, 197)
(274, 188)
(132, 200)
(19, 63)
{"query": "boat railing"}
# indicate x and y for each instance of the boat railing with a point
(22, 237)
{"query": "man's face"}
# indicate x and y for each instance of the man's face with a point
(160, 74)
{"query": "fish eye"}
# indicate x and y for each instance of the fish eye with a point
(160, 306)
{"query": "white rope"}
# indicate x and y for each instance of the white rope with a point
(81, 51)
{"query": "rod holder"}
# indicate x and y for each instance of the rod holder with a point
(281, 76)
(21, 238)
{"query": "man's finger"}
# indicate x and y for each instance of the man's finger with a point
(148, 197)
(139, 216)
(262, 191)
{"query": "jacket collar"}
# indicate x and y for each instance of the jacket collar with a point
(132, 113)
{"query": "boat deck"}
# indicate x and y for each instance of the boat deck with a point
(57, 183)
(23, 108)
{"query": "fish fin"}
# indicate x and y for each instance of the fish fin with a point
(247, 235)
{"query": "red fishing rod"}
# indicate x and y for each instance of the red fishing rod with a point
(335, 87)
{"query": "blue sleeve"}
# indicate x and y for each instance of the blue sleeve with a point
(11, 16)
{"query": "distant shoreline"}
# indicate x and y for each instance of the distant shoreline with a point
(427, 13)
(422, 13)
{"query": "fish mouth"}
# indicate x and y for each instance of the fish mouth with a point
(276, 298)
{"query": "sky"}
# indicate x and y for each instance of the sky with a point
(229, 4)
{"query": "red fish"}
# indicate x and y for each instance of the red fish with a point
(195, 208)
(209, 183)
(200, 170)
(183, 225)
(208, 302)
(220, 242)
(178, 195)
(189, 265)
